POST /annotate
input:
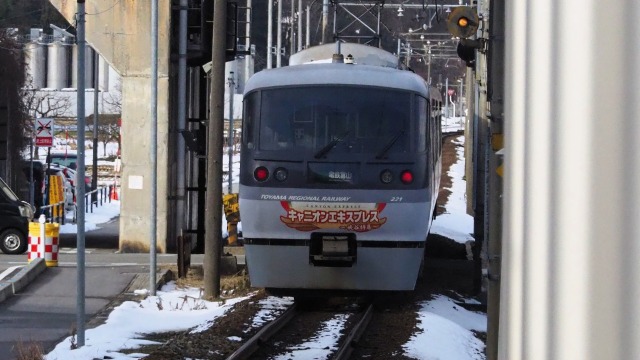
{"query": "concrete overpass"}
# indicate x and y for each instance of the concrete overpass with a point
(121, 33)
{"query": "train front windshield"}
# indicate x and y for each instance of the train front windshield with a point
(332, 120)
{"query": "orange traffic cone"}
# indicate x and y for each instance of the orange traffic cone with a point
(114, 193)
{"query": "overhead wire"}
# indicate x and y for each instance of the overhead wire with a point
(104, 11)
(22, 15)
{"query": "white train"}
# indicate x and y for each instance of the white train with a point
(339, 174)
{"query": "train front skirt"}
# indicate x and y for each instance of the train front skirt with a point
(296, 267)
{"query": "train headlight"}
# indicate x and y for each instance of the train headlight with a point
(281, 174)
(386, 176)
(406, 177)
(261, 173)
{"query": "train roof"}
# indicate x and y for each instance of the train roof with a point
(361, 54)
(338, 74)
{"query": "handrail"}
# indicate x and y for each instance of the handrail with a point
(93, 198)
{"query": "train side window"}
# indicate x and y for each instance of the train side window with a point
(251, 112)
(422, 109)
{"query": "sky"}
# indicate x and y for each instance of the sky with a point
(444, 327)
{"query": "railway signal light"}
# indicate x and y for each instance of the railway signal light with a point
(463, 22)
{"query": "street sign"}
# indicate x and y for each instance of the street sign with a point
(44, 132)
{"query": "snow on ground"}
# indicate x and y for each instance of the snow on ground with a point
(445, 332)
(171, 309)
(321, 345)
(100, 215)
(445, 328)
(456, 224)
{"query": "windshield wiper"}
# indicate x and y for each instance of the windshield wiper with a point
(386, 148)
(322, 152)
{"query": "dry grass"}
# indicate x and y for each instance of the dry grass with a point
(230, 285)
(29, 351)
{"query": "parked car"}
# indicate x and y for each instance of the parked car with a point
(67, 159)
(68, 190)
(14, 221)
(72, 175)
(38, 181)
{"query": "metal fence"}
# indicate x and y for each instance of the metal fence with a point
(92, 199)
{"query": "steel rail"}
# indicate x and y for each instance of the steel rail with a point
(261, 337)
(345, 350)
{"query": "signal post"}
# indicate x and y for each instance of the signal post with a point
(484, 56)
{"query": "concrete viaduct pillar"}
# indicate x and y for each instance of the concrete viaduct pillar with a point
(121, 34)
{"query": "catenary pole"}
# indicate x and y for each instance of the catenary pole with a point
(494, 240)
(230, 133)
(325, 19)
(292, 30)
(94, 167)
(279, 36)
(213, 223)
(247, 63)
(181, 117)
(446, 98)
(270, 34)
(153, 146)
(299, 25)
(307, 39)
(80, 239)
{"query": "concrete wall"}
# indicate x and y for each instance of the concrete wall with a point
(122, 35)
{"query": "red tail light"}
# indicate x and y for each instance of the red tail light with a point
(261, 173)
(406, 177)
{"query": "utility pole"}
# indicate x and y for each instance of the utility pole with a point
(80, 239)
(213, 207)
(153, 145)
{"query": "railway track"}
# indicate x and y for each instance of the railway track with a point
(261, 341)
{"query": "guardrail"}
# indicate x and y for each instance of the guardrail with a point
(54, 212)
(92, 199)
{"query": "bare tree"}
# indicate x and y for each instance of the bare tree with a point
(42, 104)
(108, 129)
(12, 119)
(114, 99)
(109, 126)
